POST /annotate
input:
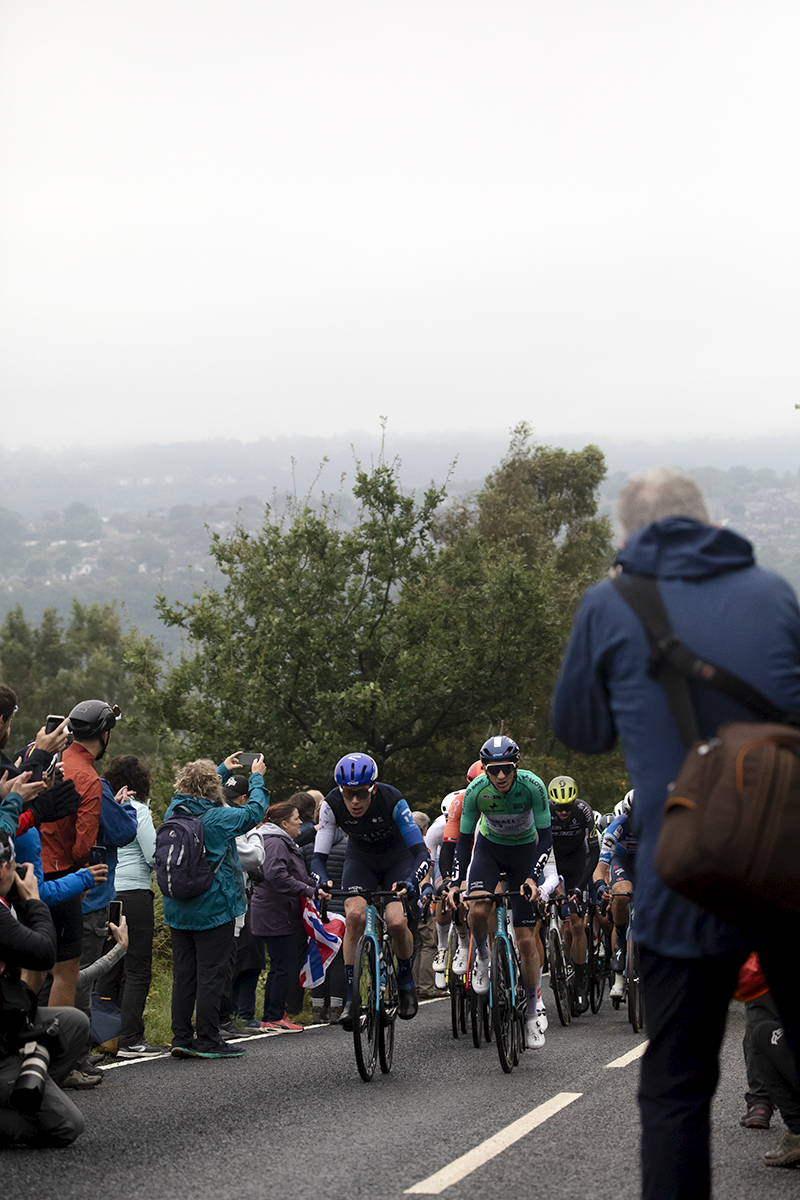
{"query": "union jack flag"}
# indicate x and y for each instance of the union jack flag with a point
(324, 941)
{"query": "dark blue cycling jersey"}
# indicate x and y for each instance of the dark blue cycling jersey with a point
(385, 830)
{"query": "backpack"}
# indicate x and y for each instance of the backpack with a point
(182, 869)
(730, 839)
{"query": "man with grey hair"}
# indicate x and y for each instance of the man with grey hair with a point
(734, 613)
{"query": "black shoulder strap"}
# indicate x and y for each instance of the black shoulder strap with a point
(673, 663)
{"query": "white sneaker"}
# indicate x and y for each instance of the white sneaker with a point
(480, 975)
(618, 987)
(541, 1015)
(460, 961)
(534, 1034)
(440, 961)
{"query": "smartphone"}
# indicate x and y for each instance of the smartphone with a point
(52, 723)
(97, 855)
(247, 760)
(114, 912)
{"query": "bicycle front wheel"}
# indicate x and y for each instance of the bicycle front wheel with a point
(558, 976)
(597, 976)
(634, 987)
(366, 1017)
(503, 1012)
(389, 1003)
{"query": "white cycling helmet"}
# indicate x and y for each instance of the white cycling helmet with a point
(448, 800)
(625, 804)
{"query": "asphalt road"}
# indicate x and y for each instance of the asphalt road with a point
(293, 1119)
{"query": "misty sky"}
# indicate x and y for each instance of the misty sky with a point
(252, 217)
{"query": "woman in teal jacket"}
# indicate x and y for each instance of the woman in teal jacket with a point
(202, 928)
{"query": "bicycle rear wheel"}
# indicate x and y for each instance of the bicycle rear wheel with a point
(558, 976)
(388, 1019)
(504, 1017)
(366, 1018)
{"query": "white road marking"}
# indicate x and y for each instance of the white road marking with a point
(630, 1057)
(247, 1037)
(461, 1167)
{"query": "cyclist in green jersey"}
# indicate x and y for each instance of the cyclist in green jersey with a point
(513, 837)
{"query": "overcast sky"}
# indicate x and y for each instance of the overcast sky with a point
(254, 217)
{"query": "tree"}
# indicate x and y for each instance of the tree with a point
(55, 666)
(398, 633)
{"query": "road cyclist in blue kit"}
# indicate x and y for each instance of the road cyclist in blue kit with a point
(510, 808)
(615, 872)
(385, 850)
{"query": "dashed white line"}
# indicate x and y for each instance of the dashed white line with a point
(455, 1171)
(630, 1057)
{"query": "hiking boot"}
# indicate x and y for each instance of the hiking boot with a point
(784, 1155)
(82, 1079)
(758, 1115)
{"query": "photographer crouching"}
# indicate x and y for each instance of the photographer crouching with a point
(38, 1049)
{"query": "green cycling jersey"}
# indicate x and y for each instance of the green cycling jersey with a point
(511, 819)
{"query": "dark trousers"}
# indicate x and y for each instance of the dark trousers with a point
(756, 1086)
(773, 1062)
(244, 993)
(58, 1122)
(334, 985)
(285, 956)
(200, 959)
(128, 983)
(686, 1001)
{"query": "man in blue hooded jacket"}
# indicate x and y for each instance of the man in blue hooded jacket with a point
(746, 619)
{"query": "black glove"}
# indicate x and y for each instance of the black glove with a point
(61, 800)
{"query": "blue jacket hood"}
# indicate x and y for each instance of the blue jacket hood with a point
(681, 548)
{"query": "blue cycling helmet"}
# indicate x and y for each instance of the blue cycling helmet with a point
(354, 770)
(500, 749)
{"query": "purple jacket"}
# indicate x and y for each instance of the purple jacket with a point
(275, 908)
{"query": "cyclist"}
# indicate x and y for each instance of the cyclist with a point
(385, 850)
(616, 866)
(514, 837)
(451, 807)
(576, 851)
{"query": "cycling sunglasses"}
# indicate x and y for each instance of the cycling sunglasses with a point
(501, 768)
(359, 793)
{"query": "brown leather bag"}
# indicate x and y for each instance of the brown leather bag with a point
(730, 840)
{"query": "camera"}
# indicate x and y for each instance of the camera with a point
(38, 1047)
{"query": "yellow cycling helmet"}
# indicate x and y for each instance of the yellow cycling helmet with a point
(562, 790)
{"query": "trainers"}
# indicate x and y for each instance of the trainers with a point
(270, 1027)
(758, 1115)
(460, 961)
(480, 975)
(782, 1156)
(222, 1050)
(334, 1013)
(251, 1024)
(183, 1052)
(440, 961)
(287, 1026)
(138, 1050)
(534, 1036)
(618, 988)
(541, 1014)
(232, 1028)
(82, 1079)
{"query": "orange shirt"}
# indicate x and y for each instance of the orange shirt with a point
(66, 843)
(453, 826)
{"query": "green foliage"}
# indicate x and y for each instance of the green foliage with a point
(400, 632)
(54, 666)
